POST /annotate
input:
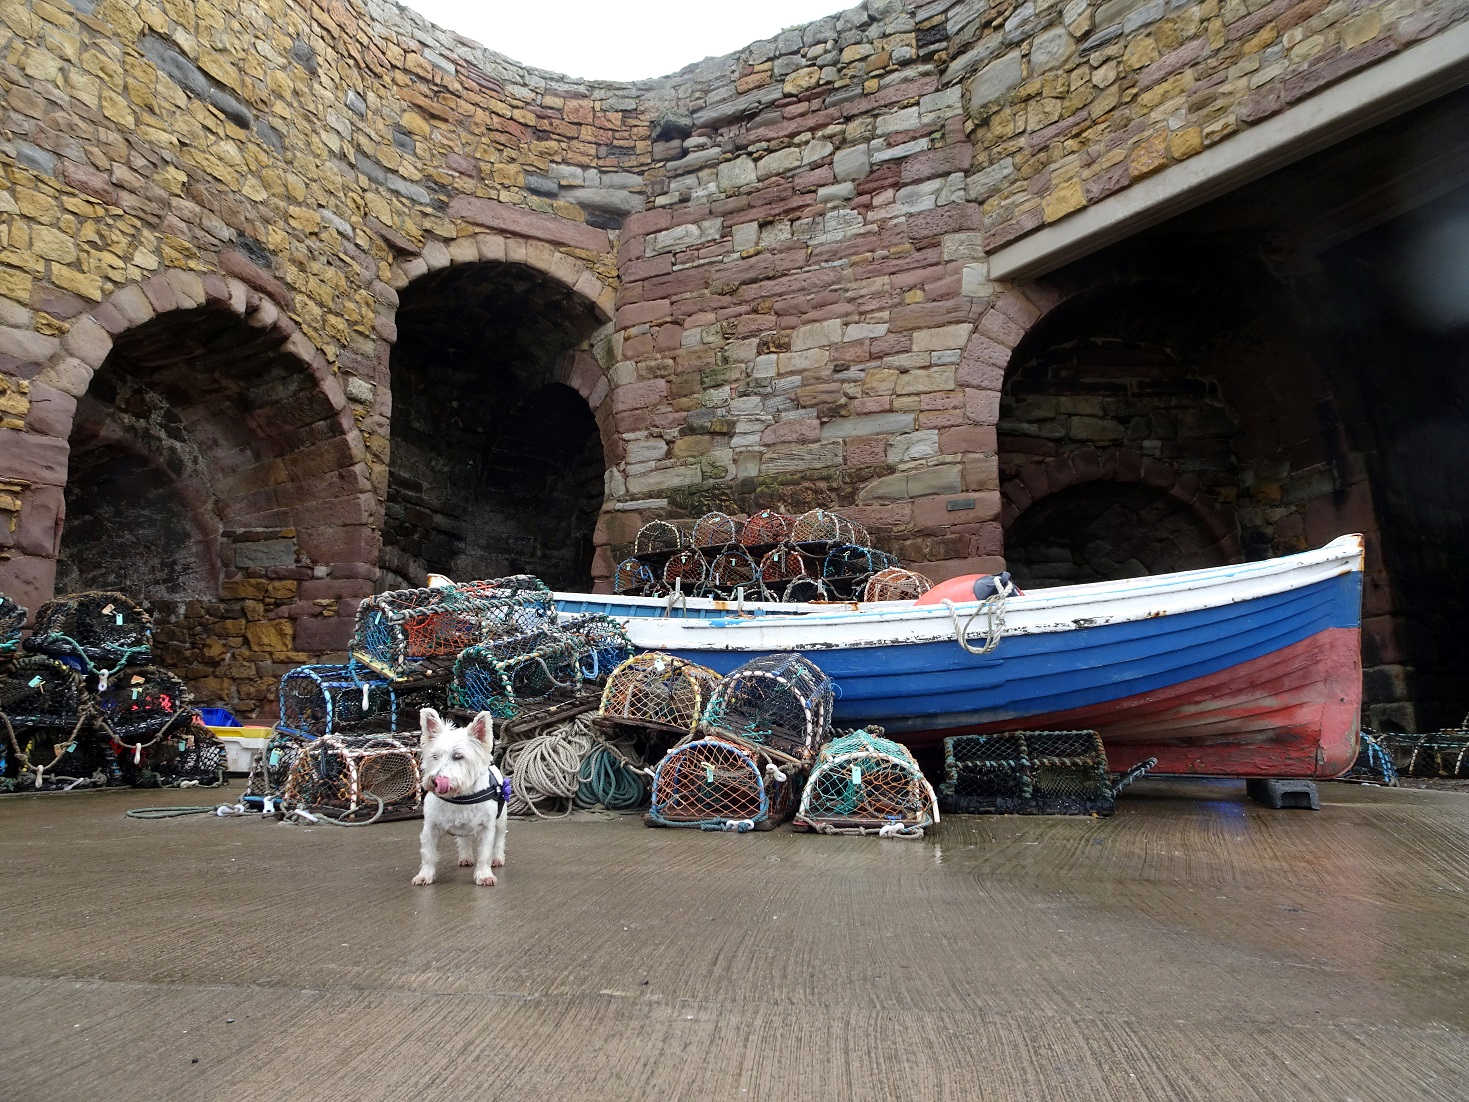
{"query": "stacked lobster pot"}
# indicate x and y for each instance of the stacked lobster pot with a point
(743, 767)
(1443, 753)
(654, 700)
(863, 783)
(770, 556)
(1032, 773)
(82, 704)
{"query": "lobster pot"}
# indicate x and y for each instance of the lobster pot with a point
(714, 531)
(604, 644)
(818, 526)
(96, 632)
(1374, 765)
(764, 528)
(43, 705)
(329, 700)
(192, 754)
(685, 569)
(780, 567)
(732, 569)
(848, 566)
(722, 784)
(497, 676)
(896, 584)
(142, 706)
(1433, 754)
(345, 777)
(863, 783)
(12, 619)
(271, 767)
(635, 578)
(658, 537)
(658, 692)
(778, 700)
(396, 632)
(806, 590)
(1029, 772)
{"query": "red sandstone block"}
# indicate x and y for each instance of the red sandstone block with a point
(640, 395)
(941, 220)
(356, 543)
(933, 511)
(640, 313)
(940, 418)
(983, 376)
(937, 162)
(529, 223)
(645, 222)
(29, 457)
(966, 438)
(320, 635)
(982, 406)
(927, 315)
(792, 432)
(872, 403)
(866, 451)
(1002, 330)
(945, 569)
(636, 270)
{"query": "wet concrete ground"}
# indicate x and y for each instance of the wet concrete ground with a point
(1196, 946)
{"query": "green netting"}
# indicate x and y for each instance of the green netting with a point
(863, 783)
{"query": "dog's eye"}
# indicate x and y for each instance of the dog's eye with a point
(458, 756)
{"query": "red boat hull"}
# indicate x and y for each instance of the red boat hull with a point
(1292, 713)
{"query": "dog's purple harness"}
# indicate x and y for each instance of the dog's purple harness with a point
(499, 793)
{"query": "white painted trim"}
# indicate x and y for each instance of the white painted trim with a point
(1383, 90)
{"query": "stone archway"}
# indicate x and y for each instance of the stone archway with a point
(500, 421)
(212, 469)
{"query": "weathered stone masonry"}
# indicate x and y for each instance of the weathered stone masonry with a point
(766, 276)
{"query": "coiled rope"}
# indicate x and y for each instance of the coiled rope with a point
(569, 765)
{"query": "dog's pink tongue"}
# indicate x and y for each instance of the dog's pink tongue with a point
(441, 785)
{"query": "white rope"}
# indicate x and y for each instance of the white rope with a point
(992, 606)
(547, 767)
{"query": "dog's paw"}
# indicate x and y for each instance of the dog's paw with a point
(465, 862)
(498, 863)
(423, 878)
(486, 881)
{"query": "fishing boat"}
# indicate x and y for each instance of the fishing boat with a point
(1247, 670)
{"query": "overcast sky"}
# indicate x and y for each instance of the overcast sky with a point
(620, 39)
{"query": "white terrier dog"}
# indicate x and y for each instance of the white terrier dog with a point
(464, 795)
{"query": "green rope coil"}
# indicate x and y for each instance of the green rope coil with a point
(606, 779)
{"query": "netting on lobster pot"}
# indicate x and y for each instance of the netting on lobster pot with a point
(190, 754)
(271, 767)
(657, 691)
(764, 528)
(1432, 754)
(12, 620)
(780, 567)
(604, 644)
(782, 701)
(732, 569)
(657, 536)
(361, 778)
(43, 720)
(326, 699)
(500, 675)
(848, 566)
(397, 632)
(98, 632)
(805, 590)
(1373, 765)
(819, 526)
(142, 706)
(713, 531)
(685, 570)
(894, 583)
(634, 578)
(863, 783)
(1031, 772)
(718, 783)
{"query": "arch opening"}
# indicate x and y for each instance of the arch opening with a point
(496, 466)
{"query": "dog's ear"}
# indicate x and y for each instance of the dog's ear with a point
(482, 727)
(430, 723)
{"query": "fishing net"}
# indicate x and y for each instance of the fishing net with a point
(604, 644)
(634, 579)
(1433, 754)
(778, 568)
(44, 728)
(1031, 772)
(657, 536)
(847, 567)
(97, 632)
(363, 778)
(189, 756)
(657, 691)
(271, 767)
(782, 701)
(713, 531)
(764, 528)
(397, 631)
(686, 569)
(896, 584)
(820, 526)
(807, 590)
(12, 620)
(321, 700)
(141, 707)
(863, 783)
(732, 569)
(1374, 765)
(497, 676)
(722, 784)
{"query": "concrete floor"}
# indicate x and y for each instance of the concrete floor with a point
(1195, 946)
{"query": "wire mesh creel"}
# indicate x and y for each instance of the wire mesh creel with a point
(657, 691)
(1031, 772)
(498, 676)
(894, 583)
(12, 620)
(99, 632)
(863, 783)
(1443, 753)
(722, 784)
(779, 700)
(324, 699)
(347, 776)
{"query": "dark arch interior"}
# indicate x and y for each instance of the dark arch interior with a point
(1098, 531)
(495, 466)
